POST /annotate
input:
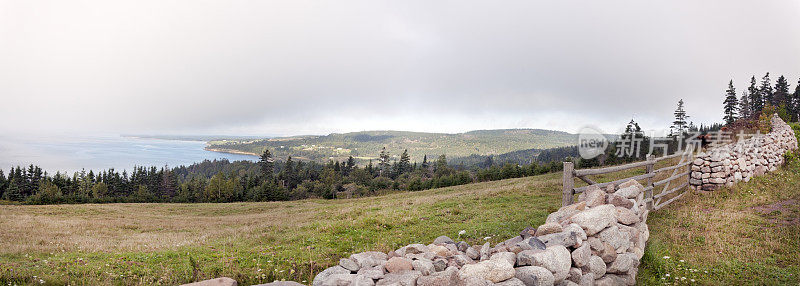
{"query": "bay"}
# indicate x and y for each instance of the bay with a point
(73, 153)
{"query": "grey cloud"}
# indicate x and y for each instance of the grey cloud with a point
(292, 67)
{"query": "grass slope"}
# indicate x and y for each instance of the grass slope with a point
(745, 235)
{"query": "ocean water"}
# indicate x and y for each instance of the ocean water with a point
(70, 154)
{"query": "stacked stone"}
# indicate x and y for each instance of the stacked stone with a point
(597, 241)
(728, 164)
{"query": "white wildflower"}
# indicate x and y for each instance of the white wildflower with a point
(666, 257)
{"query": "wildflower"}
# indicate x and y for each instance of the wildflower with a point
(681, 260)
(692, 280)
(462, 232)
(666, 257)
(487, 238)
(666, 274)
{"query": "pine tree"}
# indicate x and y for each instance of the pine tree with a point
(781, 92)
(756, 101)
(767, 93)
(679, 125)
(730, 104)
(744, 106)
(267, 165)
(425, 162)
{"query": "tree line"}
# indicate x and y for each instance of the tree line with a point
(264, 180)
(760, 96)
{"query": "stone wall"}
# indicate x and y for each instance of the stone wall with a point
(728, 164)
(597, 241)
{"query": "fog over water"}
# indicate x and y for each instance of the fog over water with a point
(70, 154)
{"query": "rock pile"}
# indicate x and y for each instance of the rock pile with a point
(728, 164)
(597, 241)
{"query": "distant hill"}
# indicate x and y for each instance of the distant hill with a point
(367, 145)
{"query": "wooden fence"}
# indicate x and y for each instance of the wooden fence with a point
(654, 202)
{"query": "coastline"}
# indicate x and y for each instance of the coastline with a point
(229, 151)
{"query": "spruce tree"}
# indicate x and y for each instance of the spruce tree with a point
(679, 126)
(405, 163)
(756, 101)
(383, 163)
(267, 165)
(744, 106)
(730, 104)
(781, 92)
(795, 103)
(767, 93)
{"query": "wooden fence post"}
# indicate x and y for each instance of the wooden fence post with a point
(568, 183)
(648, 195)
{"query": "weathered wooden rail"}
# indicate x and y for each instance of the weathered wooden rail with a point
(654, 202)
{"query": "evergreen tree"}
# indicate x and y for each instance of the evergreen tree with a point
(756, 101)
(289, 174)
(767, 93)
(425, 164)
(794, 103)
(744, 106)
(267, 165)
(404, 165)
(781, 92)
(679, 126)
(13, 191)
(730, 104)
(383, 163)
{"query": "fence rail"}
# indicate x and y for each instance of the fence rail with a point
(654, 202)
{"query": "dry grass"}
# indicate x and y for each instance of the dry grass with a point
(722, 232)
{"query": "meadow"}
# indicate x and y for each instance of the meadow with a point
(749, 234)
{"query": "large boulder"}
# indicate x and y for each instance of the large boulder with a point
(595, 219)
(548, 228)
(493, 270)
(221, 281)
(581, 255)
(444, 278)
(322, 277)
(404, 278)
(534, 276)
(398, 264)
(369, 259)
(443, 240)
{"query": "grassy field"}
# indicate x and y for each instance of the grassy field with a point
(749, 234)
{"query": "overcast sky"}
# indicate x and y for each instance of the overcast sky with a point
(314, 67)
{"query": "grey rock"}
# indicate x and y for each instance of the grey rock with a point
(446, 277)
(620, 240)
(626, 216)
(587, 279)
(416, 248)
(492, 270)
(596, 266)
(511, 282)
(568, 239)
(595, 219)
(338, 280)
(548, 228)
(509, 257)
(462, 260)
(398, 264)
(462, 246)
(574, 227)
(472, 253)
(619, 201)
(593, 197)
(361, 280)
(349, 264)
(439, 265)
(423, 266)
(485, 251)
(369, 259)
(373, 273)
(404, 278)
(443, 240)
(623, 263)
(575, 275)
(221, 281)
(280, 283)
(534, 276)
(323, 276)
(581, 255)
(527, 232)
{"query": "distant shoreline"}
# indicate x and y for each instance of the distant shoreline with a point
(229, 151)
